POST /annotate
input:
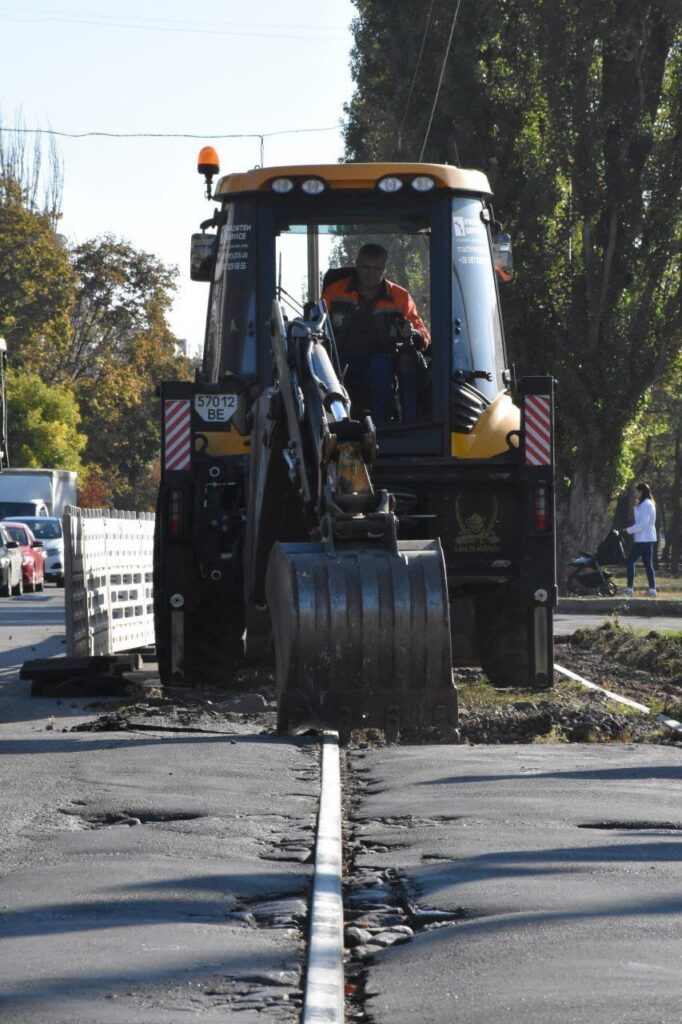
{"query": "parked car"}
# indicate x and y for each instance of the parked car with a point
(49, 530)
(32, 555)
(11, 577)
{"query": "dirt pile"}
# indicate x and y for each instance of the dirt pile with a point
(655, 652)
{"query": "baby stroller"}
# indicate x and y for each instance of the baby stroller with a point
(589, 575)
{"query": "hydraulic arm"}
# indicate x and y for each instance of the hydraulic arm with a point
(360, 620)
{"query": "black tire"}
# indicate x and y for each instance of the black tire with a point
(40, 586)
(608, 589)
(6, 588)
(18, 590)
(61, 582)
(214, 629)
(502, 640)
(571, 586)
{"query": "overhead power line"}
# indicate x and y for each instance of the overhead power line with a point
(440, 82)
(37, 15)
(261, 136)
(166, 135)
(414, 77)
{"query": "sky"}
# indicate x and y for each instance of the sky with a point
(143, 66)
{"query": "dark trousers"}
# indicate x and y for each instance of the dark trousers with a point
(642, 549)
(378, 371)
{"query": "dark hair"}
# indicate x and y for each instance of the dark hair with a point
(645, 492)
(373, 250)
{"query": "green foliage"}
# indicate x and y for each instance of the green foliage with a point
(44, 422)
(88, 340)
(121, 347)
(122, 296)
(572, 107)
(653, 444)
(36, 283)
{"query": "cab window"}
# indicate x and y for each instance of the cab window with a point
(231, 329)
(477, 345)
(362, 329)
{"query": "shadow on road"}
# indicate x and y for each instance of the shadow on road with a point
(672, 771)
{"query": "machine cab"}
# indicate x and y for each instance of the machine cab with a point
(295, 233)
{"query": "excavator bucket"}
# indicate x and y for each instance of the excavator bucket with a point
(362, 637)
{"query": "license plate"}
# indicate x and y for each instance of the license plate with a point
(215, 408)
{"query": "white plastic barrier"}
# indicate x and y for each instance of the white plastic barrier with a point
(108, 578)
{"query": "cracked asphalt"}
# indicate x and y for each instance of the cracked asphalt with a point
(146, 877)
(560, 867)
(152, 874)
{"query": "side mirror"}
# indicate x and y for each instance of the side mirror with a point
(201, 256)
(502, 255)
(37, 544)
(11, 544)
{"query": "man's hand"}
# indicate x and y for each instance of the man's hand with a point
(408, 335)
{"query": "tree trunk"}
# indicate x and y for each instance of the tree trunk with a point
(676, 504)
(662, 528)
(622, 514)
(581, 521)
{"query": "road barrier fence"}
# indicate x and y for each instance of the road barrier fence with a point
(108, 575)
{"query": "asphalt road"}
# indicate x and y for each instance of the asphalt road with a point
(146, 877)
(152, 877)
(562, 866)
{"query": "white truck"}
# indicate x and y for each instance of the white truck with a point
(36, 492)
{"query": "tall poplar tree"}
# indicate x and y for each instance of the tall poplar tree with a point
(573, 108)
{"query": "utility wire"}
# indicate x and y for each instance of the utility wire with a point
(162, 21)
(265, 31)
(440, 82)
(261, 136)
(165, 135)
(414, 77)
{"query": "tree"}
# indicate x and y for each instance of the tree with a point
(43, 423)
(24, 166)
(653, 449)
(121, 347)
(36, 283)
(573, 109)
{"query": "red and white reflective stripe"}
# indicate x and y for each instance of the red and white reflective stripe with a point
(177, 431)
(538, 430)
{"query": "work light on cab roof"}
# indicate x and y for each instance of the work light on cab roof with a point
(208, 164)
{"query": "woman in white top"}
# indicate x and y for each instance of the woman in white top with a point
(644, 536)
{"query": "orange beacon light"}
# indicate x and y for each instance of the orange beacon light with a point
(208, 165)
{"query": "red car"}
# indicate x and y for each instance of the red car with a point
(32, 557)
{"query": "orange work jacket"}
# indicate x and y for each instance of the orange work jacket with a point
(363, 327)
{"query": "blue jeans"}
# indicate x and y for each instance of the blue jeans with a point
(643, 549)
(378, 371)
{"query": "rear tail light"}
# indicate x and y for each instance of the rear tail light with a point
(541, 508)
(176, 515)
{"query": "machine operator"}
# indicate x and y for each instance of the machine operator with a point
(378, 333)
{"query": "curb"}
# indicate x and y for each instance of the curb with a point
(645, 606)
(323, 1001)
